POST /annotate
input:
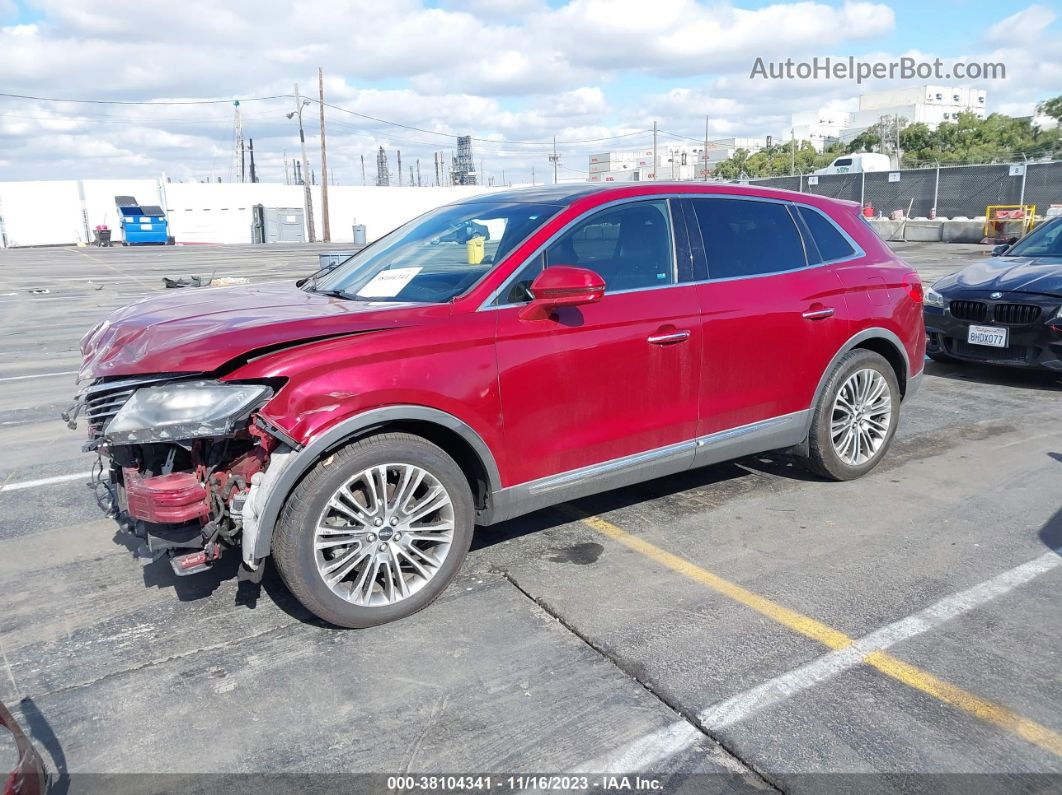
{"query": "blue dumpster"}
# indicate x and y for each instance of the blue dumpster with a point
(142, 224)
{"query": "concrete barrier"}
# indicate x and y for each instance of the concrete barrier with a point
(923, 231)
(957, 230)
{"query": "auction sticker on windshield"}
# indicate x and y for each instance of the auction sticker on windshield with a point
(388, 284)
(987, 335)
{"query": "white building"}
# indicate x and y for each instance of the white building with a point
(929, 105)
(822, 127)
(674, 161)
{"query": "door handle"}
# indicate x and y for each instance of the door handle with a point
(817, 314)
(669, 338)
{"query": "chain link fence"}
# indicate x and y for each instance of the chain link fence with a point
(954, 191)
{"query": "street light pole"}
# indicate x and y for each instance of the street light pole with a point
(300, 103)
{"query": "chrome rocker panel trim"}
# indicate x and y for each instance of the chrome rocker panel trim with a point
(757, 437)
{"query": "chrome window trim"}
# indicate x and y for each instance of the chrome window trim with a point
(486, 305)
(858, 249)
(505, 285)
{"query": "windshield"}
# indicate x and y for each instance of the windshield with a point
(1044, 241)
(438, 255)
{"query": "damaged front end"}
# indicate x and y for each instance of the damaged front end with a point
(178, 459)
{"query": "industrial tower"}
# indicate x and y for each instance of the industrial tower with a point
(383, 177)
(464, 165)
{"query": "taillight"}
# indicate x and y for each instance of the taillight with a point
(913, 285)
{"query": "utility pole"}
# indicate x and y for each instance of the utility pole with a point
(399, 167)
(363, 182)
(554, 159)
(654, 151)
(326, 232)
(705, 148)
(437, 183)
(237, 136)
(307, 196)
(418, 172)
(254, 176)
(503, 177)
(792, 144)
(411, 176)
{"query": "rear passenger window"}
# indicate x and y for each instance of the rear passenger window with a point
(748, 238)
(831, 243)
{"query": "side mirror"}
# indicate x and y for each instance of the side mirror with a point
(998, 250)
(562, 285)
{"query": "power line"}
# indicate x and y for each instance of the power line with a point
(146, 101)
(482, 140)
(367, 116)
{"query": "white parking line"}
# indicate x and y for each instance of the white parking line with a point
(37, 375)
(663, 743)
(32, 484)
(737, 708)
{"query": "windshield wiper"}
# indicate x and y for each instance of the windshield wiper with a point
(334, 294)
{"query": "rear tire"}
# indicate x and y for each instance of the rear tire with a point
(856, 416)
(376, 530)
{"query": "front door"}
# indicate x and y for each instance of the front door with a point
(598, 382)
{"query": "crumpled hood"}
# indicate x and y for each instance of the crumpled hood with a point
(1009, 274)
(197, 330)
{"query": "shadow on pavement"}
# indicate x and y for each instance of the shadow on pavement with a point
(770, 464)
(996, 375)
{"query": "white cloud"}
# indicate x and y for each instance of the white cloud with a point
(500, 69)
(1025, 26)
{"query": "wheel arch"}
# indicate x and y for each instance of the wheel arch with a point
(880, 341)
(453, 435)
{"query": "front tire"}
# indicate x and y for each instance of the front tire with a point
(855, 418)
(376, 530)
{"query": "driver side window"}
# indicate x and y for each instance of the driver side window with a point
(628, 246)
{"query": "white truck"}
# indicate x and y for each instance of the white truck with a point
(858, 162)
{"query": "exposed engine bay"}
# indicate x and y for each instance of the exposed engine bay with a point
(176, 458)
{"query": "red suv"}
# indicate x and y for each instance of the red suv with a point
(358, 424)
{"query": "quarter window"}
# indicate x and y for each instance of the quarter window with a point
(831, 243)
(748, 237)
(628, 246)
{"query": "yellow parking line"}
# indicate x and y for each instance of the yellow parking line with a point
(798, 622)
(987, 711)
(881, 661)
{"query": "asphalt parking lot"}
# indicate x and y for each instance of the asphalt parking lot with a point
(744, 621)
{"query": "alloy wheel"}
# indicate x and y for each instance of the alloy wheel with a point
(384, 534)
(862, 412)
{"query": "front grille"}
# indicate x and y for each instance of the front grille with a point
(976, 311)
(103, 398)
(1014, 353)
(99, 409)
(1016, 314)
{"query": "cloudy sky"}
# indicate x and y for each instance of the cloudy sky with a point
(514, 73)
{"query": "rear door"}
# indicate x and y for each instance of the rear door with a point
(771, 323)
(602, 381)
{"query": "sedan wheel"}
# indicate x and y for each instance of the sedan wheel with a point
(375, 531)
(862, 414)
(855, 416)
(384, 534)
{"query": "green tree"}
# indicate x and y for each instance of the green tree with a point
(1051, 107)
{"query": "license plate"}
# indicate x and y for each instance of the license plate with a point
(991, 336)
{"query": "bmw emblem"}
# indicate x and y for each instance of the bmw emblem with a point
(996, 295)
